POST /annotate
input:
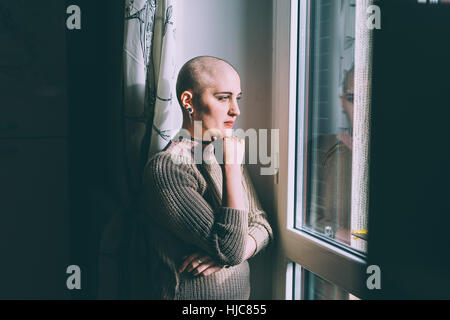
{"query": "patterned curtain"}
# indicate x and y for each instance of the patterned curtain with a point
(152, 116)
(167, 118)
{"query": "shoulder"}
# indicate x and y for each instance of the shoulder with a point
(167, 168)
(325, 143)
(327, 147)
(332, 148)
(166, 162)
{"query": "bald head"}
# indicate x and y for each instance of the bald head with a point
(200, 73)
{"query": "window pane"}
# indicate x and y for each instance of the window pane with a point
(327, 130)
(312, 287)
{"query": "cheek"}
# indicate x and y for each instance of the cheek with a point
(214, 110)
(212, 115)
(215, 118)
(218, 111)
(347, 106)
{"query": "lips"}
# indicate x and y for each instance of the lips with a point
(229, 123)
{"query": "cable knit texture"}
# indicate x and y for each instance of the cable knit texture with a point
(182, 209)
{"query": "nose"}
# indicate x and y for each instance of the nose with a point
(234, 109)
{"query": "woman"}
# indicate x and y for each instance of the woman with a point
(205, 217)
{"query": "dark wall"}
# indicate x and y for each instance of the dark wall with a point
(94, 60)
(34, 194)
(410, 154)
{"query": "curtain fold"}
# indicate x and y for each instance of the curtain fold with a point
(151, 112)
(167, 114)
(137, 86)
(151, 118)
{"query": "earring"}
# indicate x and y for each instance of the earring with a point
(190, 110)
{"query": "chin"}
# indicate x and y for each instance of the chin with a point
(214, 132)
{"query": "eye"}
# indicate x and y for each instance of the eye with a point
(239, 98)
(222, 98)
(349, 97)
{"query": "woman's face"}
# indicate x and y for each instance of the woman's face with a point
(217, 106)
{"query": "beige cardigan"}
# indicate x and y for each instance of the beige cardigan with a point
(181, 205)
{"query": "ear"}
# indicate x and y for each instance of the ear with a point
(186, 99)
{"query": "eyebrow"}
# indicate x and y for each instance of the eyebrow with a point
(226, 92)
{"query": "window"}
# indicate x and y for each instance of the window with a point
(308, 286)
(324, 241)
(326, 90)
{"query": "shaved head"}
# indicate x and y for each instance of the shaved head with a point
(200, 73)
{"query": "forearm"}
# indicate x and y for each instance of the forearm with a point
(232, 187)
(250, 248)
(233, 198)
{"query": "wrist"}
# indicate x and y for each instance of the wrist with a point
(231, 167)
(251, 247)
(231, 173)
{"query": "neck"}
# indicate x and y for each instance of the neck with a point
(188, 127)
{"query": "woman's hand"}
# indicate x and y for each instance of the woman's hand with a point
(233, 150)
(233, 156)
(199, 264)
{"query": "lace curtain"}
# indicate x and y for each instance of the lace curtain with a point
(361, 122)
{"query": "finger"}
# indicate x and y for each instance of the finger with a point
(196, 263)
(211, 265)
(187, 261)
(203, 267)
(230, 150)
(234, 150)
(228, 132)
(211, 270)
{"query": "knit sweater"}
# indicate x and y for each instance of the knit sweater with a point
(182, 205)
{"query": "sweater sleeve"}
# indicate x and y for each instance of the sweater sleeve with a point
(171, 196)
(258, 225)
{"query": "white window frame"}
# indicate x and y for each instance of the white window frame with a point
(341, 267)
